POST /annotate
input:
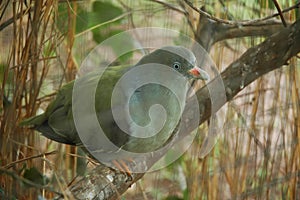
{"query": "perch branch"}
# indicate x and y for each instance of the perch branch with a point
(210, 31)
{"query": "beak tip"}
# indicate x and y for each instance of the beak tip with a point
(198, 73)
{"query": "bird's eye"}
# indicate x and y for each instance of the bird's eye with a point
(176, 65)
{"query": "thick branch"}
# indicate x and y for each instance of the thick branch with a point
(275, 51)
(209, 31)
(271, 54)
(103, 183)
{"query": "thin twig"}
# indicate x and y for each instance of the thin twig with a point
(4, 9)
(187, 16)
(170, 6)
(29, 158)
(279, 12)
(104, 23)
(12, 19)
(247, 22)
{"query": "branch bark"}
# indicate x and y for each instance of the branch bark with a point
(269, 55)
(275, 51)
(210, 32)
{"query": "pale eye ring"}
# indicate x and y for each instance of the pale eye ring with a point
(176, 65)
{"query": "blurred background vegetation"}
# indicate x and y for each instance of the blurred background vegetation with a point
(42, 46)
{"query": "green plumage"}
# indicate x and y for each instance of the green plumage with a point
(57, 122)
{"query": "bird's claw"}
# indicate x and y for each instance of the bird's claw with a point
(122, 166)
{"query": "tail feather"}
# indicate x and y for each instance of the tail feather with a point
(40, 123)
(48, 132)
(34, 121)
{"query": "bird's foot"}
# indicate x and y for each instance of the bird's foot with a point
(121, 165)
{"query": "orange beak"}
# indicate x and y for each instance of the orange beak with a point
(198, 73)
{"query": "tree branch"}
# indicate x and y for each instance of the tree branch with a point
(210, 32)
(269, 55)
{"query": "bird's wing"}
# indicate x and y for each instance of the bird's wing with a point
(57, 121)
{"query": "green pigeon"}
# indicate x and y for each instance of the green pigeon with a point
(134, 116)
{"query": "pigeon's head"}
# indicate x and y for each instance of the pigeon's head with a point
(178, 58)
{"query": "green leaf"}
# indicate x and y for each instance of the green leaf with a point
(101, 13)
(106, 10)
(86, 20)
(35, 176)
